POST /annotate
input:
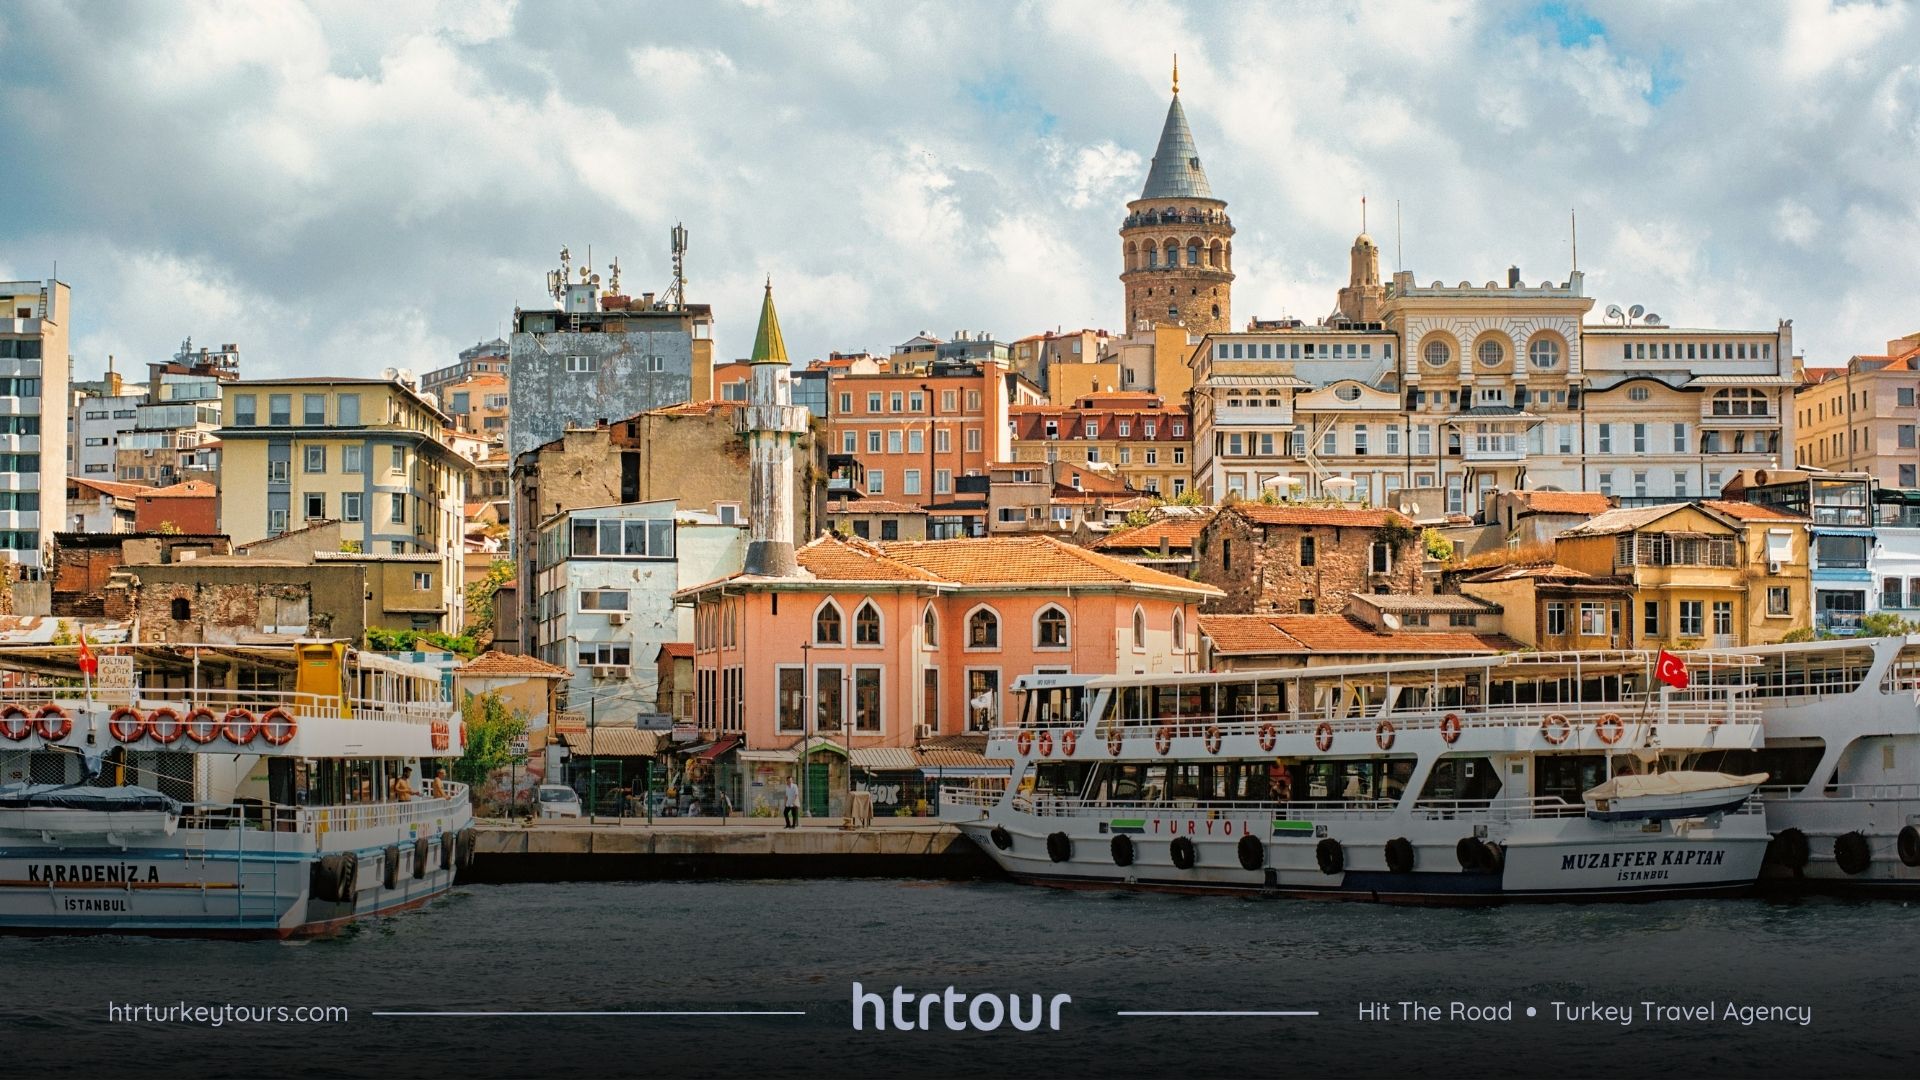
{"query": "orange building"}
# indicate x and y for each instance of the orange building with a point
(190, 507)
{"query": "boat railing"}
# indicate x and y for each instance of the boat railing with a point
(1862, 792)
(220, 701)
(1711, 711)
(305, 819)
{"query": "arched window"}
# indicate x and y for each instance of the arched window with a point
(983, 629)
(1153, 257)
(1173, 254)
(1139, 629)
(1544, 353)
(866, 624)
(182, 611)
(1180, 630)
(930, 628)
(1739, 401)
(1050, 628)
(1492, 353)
(826, 624)
(1437, 353)
(1193, 253)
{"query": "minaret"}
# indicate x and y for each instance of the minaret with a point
(1177, 240)
(773, 425)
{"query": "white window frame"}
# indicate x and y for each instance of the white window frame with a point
(999, 630)
(1065, 646)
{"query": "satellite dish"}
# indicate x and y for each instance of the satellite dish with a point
(1614, 312)
(1652, 319)
(1636, 311)
(1389, 620)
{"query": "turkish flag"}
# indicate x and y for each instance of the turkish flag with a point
(1671, 670)
(88, 664)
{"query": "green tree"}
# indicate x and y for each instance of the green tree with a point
(1439, 548)
(491, 729)
(1886, 624)
(380, 639)
(480, 594)
(1137, 519)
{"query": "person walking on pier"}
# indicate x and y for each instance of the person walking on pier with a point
(793, 804)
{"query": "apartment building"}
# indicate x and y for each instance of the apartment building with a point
(173, 437)
(1861, 417)
(34, 374)
(1144, 441)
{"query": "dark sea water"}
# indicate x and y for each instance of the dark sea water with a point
(800, 945)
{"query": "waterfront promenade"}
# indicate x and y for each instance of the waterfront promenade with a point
(633, 849)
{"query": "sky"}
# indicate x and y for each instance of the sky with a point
(344, 186)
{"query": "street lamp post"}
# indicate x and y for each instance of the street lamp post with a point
(809, 696)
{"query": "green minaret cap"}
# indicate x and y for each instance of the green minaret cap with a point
(768, 346)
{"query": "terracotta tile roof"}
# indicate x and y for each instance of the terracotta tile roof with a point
(1747, 511)
(610, 741)
(1566, 502)
(1530, 571)
(114, 488)
(873, 506)
(494, 664)
(190, 489)
(679, 650)
(1030, 560)
(1293, 635)
(1264, 514)
(833, 558)
(1178, 533)
(1624, 519)
(1431, 602)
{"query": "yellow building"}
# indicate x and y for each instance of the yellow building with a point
(372, 454)
(1862, 417)
(1709, 574)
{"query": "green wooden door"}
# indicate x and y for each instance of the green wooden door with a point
(817, 789)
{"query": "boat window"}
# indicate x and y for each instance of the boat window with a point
(1053, 706)
(1785, 766)
(1061, 778)
(1463, 779)
(1568, 776)
(1344, 781)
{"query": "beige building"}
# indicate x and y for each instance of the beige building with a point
(1861, 417)
(1144, 441)
(34, 379)
(371, 453)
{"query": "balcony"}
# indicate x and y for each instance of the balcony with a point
(1494, 452)
(1717, 414)
(1227, 417)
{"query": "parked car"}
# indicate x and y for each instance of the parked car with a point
(558, 800)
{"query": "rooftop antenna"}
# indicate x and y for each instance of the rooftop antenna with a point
(1363, 213)
(1176, 73)
(677, 292)
(1573, 225)
(613, 281)
(1398, 262)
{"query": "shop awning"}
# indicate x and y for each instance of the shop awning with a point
(778, 757)
(709, 751)
(884, 759)
(952, 772)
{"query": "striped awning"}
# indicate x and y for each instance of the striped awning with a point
(884, 759)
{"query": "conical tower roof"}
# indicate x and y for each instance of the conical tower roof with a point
(768, 346)
(1176, 172)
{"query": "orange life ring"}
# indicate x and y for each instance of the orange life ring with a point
(278, 726)
(1046, 743)
(1383, 735)
(239, 726)
(163, 724)
(1450, 727)
(43, 722)
(1610, 728)
(126, 724)
(1023, 742)
(1116, 742)
(202, 726)
(1268, 736)
(15, 722)
(1555, 729)
(1323, 736)
(1212, 739)
(1163, 738)
(1069, 742)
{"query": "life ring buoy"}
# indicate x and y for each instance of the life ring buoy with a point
(1163, 738)
(1555, 729)
(1268, 736)
(1323, 736)
(163, 726)
(52, 723)
(239, 727)
(1069, 742)
(1023, 743)
(126, 724)
(202, 726)
(278, 726)
(1450, 727)
(1383, 735)
(1212, 739)
(1610, 728)
(15, 722)
(1116, 742)
(1046, 743)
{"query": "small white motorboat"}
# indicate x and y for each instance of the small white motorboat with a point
(1662, 796)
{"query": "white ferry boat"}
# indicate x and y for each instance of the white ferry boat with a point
(224, 790)
(1842, 744)
(1451, 781)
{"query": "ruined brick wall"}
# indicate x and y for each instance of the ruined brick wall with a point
(232, 603)
(1259, 567)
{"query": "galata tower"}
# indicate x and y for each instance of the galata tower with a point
(1177, 239)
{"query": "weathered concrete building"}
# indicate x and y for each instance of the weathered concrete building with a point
(237, 599)
(594, 357)
(1305, 560)
(85, 564)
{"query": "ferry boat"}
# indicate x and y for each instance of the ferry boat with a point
(1450, 781)
(223, 790)
(1842, 744)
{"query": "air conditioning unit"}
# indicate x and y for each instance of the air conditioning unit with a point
(616, 618)
(610, 671)
(922, 732)
(1775, 567)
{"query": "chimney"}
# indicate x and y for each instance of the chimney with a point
(1513, 277)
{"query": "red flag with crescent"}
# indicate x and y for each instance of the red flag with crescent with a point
(1671, 670)
(89, 664)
